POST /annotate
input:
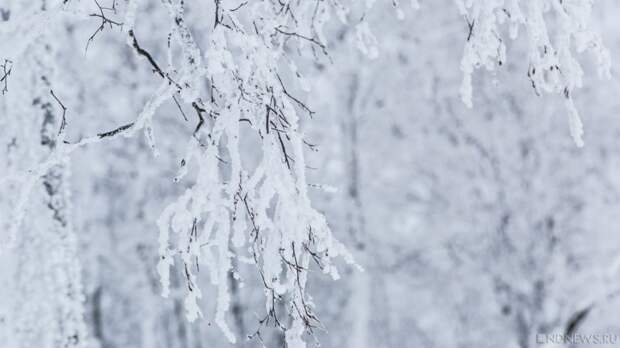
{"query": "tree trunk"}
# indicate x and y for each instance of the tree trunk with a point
(359, 303)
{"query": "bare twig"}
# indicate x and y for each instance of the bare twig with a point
(7, 67)
(104, 20)
(63, 122)
(312, 40)
(297, 101)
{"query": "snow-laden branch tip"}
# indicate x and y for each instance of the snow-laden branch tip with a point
(553, 67)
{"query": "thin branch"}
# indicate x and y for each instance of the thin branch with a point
(63, 122)
(115, 131)
(104, 21)
(7, 67)
(302, 105)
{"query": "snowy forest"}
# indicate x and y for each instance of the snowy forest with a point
(309, 173)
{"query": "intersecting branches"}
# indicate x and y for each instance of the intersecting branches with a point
(220, 14)
(156, 69)
(248, 88)
(272, 315)
(304, 310)
(105, 20)
(291, 258)
(7, 67)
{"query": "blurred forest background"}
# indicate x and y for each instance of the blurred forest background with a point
(476, 227)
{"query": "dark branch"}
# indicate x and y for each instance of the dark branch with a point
(115, 131)
(7, 67)
(104, 21)
(63, 122)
